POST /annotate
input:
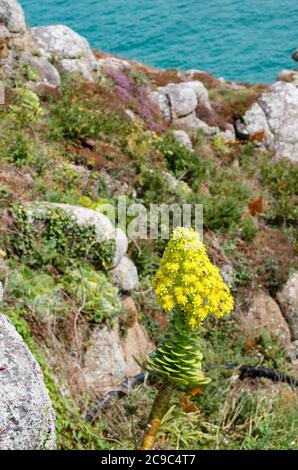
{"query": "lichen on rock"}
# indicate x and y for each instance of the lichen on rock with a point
(27, 419)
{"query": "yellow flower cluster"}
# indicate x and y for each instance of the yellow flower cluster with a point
(188, 281)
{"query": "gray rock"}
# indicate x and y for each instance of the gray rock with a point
(121, 245)
(66, 47)
(27, 420)
(12, 16)
(227, 273)
(125, 275)
(104, 364)
(255, 121)
(136, 343)
(104, 229)
(228, 135)
(288, 301)
(293, 353)
(113, 63)
(77, 67)
(276, 115)
(208, 130)
(183, 99)
(163, 101)
(191, 121)
(263, 314)
(200, 91)
(183, 138)
(47, 73)
(295, 55)
(179, 100)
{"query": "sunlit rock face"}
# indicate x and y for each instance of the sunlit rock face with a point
(27, 419)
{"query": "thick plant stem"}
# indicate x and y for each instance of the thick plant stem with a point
(158, 410)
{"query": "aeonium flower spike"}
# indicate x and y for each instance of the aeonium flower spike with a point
(189, 282)
(190, 288)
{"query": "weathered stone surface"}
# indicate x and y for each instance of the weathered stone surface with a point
(76, 67)
(47, 73)
(12, 16)
(104, 364)
(112, 63)
(125, 275)
(27, 420)
(120, 247)
(163, 101)
(136, 344)
(183, 138)
(227, 273)
(256, 123)
(68, 48)
(183, 99)
(228, 135)
(178, 102)
(200, 91)
(288, 301)
(15, 42)
(276, 116)
(199, 124)
(263, 314)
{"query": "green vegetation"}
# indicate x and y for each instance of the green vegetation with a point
(83, 149)
(99, 299)
(59, 241)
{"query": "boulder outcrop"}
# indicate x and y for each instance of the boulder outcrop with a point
(178, 102)
(288, 301)
(67, 48)
(27, 420)
(275, 117)
(262, 313)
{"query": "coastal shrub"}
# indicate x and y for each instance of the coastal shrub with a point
(229, 103)
(131, 87)
(184, 163)
(221, 213)
(280, 178)
(66, 184)
(17, 148)
(58, 240)
(142, 146)
(224, 206)
(73, 122)
(94, 294)
(5, 194)
(153, 182)
(248, 229)
(37, 292)
(25, 111)
(145, 256)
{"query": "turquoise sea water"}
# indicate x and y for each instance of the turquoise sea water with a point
(244, 40)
